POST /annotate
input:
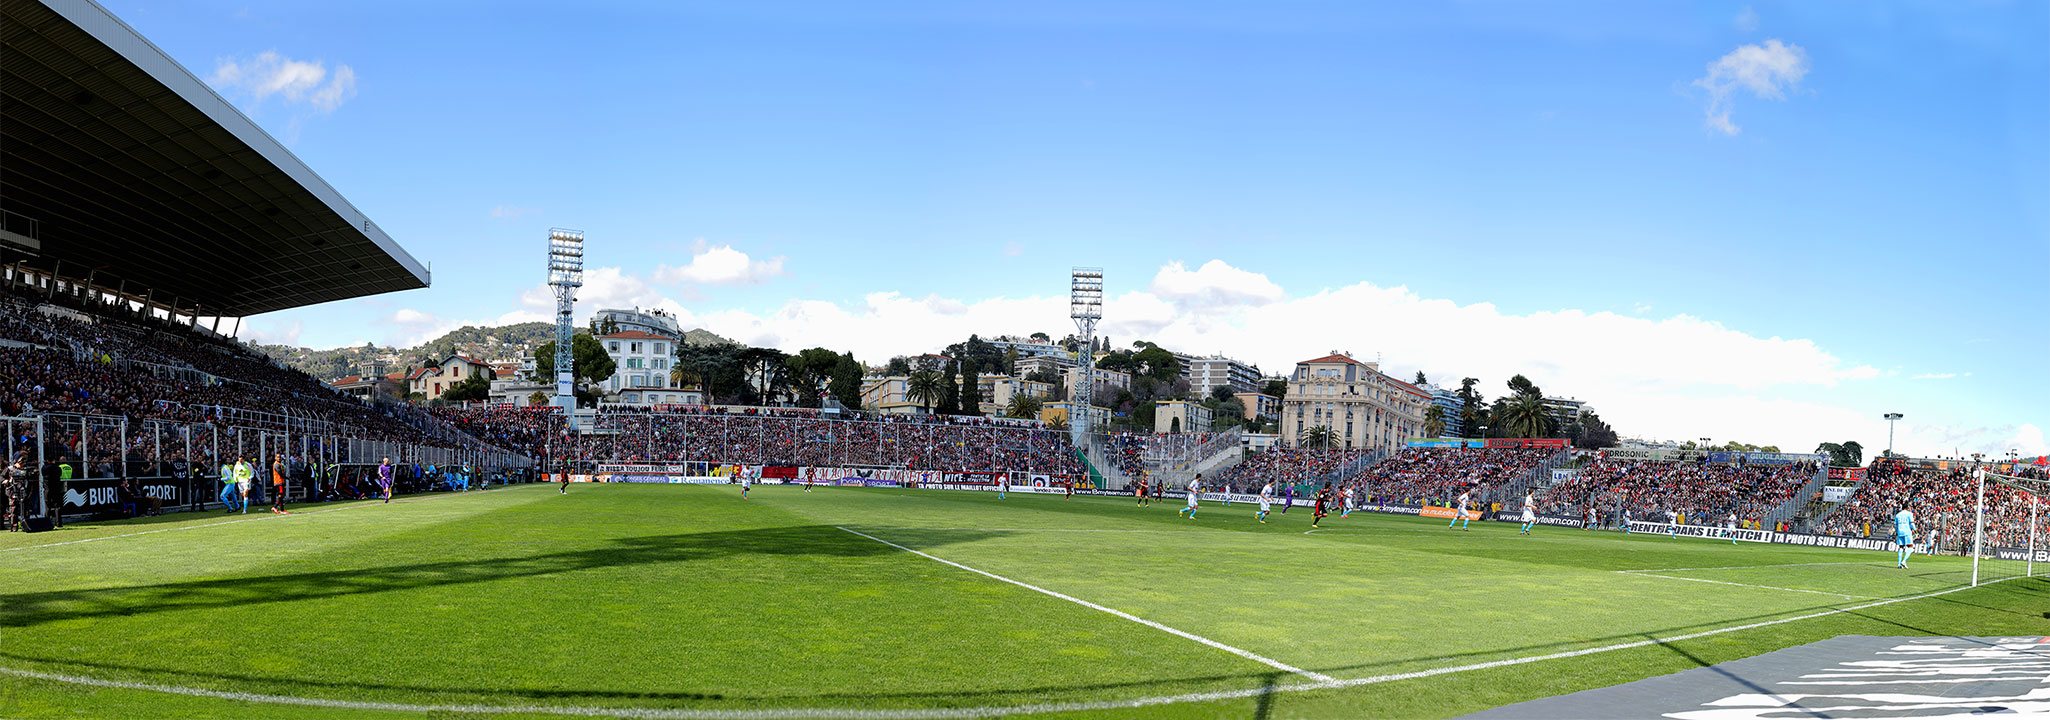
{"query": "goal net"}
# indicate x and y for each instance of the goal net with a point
(2007, 539)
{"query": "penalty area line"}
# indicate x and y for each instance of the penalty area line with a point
(1270, 662)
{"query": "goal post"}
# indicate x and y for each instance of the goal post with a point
(2007, 525)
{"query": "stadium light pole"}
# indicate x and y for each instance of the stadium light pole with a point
(1085, 307)
(1890, 417)
(565, 275)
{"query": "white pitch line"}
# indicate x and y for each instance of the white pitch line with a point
(1276, 664)
(1738, 584)
(218, 524)
(1752, 567)
(917, 714)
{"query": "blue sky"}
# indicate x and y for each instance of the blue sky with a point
(1764, 222)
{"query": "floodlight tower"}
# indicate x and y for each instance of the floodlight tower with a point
(565, 275)
(1085, 306)
(1890, 417)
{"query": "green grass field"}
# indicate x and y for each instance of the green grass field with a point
(686, 601)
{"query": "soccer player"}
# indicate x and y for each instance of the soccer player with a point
(1291, 499)
(1195, 489)
(1672, 523)
(565, 483)
(1227, 494)
(1139, 491)
(1903, 535)
(1266, 497)
(384, 479)
(1071, 490)
(1626, 521)
(1529, 514)
(746, 479)
(1159, 490)
(1459, 517)
(1324, 495)
(277, 478)
(1003, 486)
(1730, 527)
(808, 479)
(244, 474)
(228, 496)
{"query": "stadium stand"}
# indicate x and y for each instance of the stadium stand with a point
(142, 211)
(1703, 493)
(1944, 502)
(1417, 476)
(779, 436)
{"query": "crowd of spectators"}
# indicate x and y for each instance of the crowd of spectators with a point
(1418, 476)
(123, 394)
(1701, 493)
(1288, 466)
(778, 436)
(1944, 502)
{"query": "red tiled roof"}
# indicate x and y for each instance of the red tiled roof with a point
(1332, 358)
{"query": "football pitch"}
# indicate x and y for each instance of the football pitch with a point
(684, 601)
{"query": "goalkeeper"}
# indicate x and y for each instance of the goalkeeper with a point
(1903, 535)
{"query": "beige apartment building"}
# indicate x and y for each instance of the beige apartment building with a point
(1363, 407)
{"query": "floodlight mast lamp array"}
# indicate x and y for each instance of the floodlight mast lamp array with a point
(565, 275)
(1085, 306)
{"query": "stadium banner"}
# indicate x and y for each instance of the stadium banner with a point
(646, 469)
(2042, 556)
(1517, 517)
(1560, 475)
(1712, 532)
(1388, 509)
(1839, 473)
(1761, 458)
(1833, 541)
(1837, 493)
(1526, 443)
(1446, 513)
(1442, 443)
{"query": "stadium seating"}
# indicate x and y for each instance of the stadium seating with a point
(1705, 493)
(1944, 503)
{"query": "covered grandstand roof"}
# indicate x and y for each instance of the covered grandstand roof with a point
(117, 161)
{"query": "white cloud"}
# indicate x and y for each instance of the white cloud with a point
(1013, 249)
(1215, 284)
(1937, 376)
(1676, 377)
(721, 265)
(513, 211)
(273, 332)
(303, 83)
(1747, 21)
(1768, 71)
(411, 327)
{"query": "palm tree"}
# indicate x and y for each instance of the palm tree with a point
(1526, 416)
(925, 388)
(1434, 420)
(1317, 437)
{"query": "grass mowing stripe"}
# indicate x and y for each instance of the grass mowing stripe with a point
(1276, 664)
(1749, 567)
(934, 714)
(1738, 584)
(365, 503)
